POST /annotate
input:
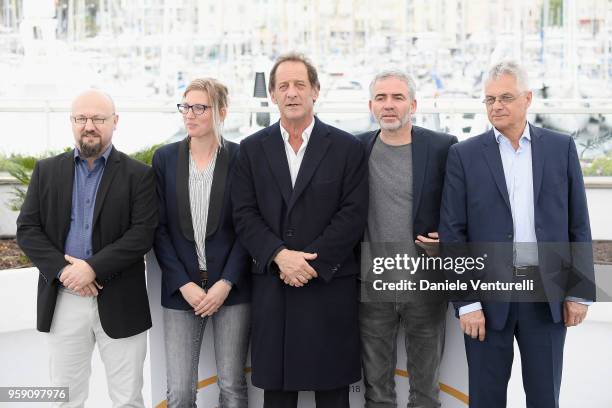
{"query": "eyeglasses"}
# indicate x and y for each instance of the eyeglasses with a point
(82, 120)
(197, 109)
(504, 99)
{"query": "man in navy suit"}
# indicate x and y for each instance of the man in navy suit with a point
(406, 175)
(300, 199)
(522, 185)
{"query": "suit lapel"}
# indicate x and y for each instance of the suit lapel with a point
(182, 190)
(274, 150)
(318, 143)
(493, 158)
(420, 149)
(66, 175)
(217, 191)
(370, 144)
(537, 161)
(110, 169)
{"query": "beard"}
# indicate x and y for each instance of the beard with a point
(88, 150)
(396, 125)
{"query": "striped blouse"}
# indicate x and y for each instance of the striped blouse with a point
(200, 183)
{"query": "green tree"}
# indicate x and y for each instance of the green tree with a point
(20, 167)
(146, 155)
(601, 166)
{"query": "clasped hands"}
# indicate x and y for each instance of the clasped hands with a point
(79, 277)
(205, 303)
(294, 267)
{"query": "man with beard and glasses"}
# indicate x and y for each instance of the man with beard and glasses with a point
(406, 174)
(88, 218)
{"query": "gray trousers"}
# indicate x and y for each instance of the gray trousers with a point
(183, 332)
(424, 326)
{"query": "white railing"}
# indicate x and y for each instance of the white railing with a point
(425, 106)
(32, 126)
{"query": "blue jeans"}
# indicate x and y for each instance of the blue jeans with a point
(183, 332)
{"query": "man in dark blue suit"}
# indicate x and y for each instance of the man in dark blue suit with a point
(522, 185)
(300, 198)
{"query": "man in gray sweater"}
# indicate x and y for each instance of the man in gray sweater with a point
(406, 175)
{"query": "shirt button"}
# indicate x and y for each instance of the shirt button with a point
(86, 226)
(88, 201)
(88, 252)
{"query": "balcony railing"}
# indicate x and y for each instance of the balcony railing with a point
(34, 126)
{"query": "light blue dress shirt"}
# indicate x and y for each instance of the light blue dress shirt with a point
(518, 172)
(84, 191)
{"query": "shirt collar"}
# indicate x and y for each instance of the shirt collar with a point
(526, 134)
(107, 152)
(305, 134)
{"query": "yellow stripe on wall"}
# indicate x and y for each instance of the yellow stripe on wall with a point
(453, 392)
(201, 384)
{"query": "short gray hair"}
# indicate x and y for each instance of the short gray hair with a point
(512, 68)
(407, 79)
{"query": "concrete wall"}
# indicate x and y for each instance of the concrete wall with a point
(7, 217)
(24, 355)
(599, 197)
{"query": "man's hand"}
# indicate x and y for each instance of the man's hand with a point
(473, 324)
(77, 275)
(193, 294)
(574, 313)
(294, 267)
(429, 243)
(90, 290)
(214, 299)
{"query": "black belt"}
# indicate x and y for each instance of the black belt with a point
(525, 271)
(204, 277)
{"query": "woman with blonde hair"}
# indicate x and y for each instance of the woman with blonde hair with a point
(205, 270)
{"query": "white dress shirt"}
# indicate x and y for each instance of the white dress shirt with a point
(295, 159)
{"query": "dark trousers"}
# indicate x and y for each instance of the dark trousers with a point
(424, 326)
(338, 398)
(540, 342)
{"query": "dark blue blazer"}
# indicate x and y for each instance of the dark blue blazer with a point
(429, 152)
(174, 238)
(476, 208)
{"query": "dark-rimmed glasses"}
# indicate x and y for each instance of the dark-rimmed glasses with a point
(197, 108)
